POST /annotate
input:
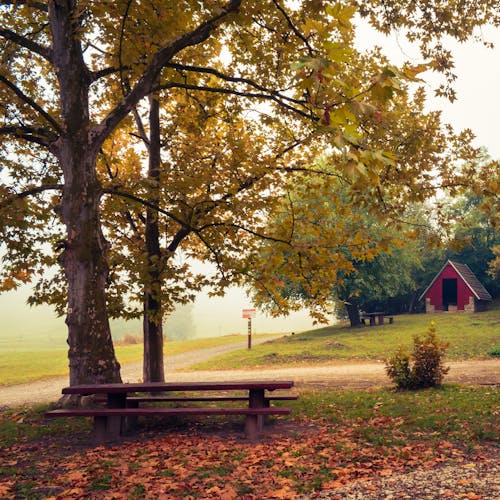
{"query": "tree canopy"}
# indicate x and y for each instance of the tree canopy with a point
(249, 92)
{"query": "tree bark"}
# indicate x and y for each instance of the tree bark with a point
(353, 313)
(153, 370)
(91, 354)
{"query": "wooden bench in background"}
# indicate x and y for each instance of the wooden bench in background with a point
(379, 316)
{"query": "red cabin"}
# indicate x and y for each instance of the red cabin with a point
(455, 288)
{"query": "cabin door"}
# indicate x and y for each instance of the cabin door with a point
(449, 292)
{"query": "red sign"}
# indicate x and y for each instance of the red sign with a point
(248, 313)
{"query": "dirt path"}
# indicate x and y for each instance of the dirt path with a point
(340, 375)
(43, 391)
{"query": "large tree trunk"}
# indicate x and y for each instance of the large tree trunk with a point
(413, 300)
(153, 314)
(91, 354)
(353, 313)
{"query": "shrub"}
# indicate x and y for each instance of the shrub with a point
(495, 352)
(130, 339)
(424, 367)
(398, 369)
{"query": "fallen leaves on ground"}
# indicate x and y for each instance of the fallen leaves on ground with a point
(299, 458)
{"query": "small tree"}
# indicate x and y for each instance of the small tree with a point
(424, 367)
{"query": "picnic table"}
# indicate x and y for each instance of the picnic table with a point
(379, 315)
(122, 403)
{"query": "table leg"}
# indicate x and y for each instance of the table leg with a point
(256, 400)
(100, 430)
(115, 425)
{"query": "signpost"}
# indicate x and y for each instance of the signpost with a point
(249, 314)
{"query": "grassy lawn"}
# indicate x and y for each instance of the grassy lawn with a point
(469, 336)
(461, 413)
(21, 366)
(331, 439)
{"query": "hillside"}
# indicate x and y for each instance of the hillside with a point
(469, 336)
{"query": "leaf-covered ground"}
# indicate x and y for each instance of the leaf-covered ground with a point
(211, 458)
(206, 465)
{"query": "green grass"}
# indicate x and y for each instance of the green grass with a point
(468, 415)
(28, 423)
(469, 336)
(453, 412)
(18, 367)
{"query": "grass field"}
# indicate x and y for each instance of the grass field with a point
(469, 336)
(466, 414)
(18, 367)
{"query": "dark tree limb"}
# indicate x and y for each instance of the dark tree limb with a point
(35, 5)
(31, 192)
(250, 95)
(21, 40)
(294, 28)
(235, 79)
(32, 104)
(36, 135)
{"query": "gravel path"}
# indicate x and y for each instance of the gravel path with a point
(474, 481)
(346, 375)
(43, 391)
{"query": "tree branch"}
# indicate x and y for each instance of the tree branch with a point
(250, 95)
(146, 84)
(95, 75)
(234, 79)
(146, 203)
(36, 135)
(31, 192)
(45, 52)
(31, 103)
(245, 229)
(298, 34)
(177, 239)
(35, 5)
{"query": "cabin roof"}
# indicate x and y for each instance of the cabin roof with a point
(464, 271)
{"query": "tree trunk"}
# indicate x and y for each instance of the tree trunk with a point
(353, 313)
(91, 354)
(413, 300)
(153, 313)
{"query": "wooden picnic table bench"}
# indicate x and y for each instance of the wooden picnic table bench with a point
(122, 403)
(379, 316)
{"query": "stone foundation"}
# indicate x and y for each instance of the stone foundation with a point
(429, 308)
(471, 306)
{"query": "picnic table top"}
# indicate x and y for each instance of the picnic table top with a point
(87, 389)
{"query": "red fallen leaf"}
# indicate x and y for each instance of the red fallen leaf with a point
(228, 493)
(71, 492)
(9, 463)
(283, 493)
(75, 475)
(446, 444)
(5, 488)
(333, 484)
(386, 472)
